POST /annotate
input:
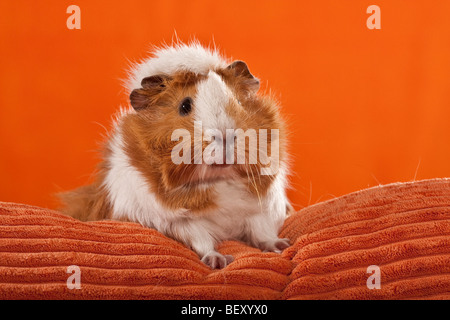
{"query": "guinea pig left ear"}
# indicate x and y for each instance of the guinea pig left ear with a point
(151, 87)
(156, 81)
(241, 70)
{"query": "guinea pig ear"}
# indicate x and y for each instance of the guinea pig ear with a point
(240, 69)
(154, 81)
(151, 87)
(139, 99)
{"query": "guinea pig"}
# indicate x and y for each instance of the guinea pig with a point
(187, 157)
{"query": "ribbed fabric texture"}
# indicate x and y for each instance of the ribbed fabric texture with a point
(402, 228)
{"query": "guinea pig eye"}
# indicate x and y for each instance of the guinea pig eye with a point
(185, 107)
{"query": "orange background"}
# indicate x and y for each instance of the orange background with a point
(364, 106)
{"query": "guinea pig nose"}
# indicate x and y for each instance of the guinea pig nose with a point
(229, 145)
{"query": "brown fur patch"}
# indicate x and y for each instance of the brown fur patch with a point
(87, 203)
(90, 202)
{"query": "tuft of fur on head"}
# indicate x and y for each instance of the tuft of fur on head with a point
(179, 57)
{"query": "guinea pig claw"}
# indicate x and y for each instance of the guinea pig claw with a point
(277, 245)
(216, 260)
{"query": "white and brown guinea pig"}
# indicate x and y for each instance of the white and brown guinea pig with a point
(199, 204)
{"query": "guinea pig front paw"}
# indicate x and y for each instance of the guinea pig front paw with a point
(276, 245)
(216, 260)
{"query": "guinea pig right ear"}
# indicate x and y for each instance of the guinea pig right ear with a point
(240, 69)
(151, 87)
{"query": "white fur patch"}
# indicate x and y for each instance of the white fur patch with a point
(264, 227)
(210, 102)
(212, 97)
(168, 60)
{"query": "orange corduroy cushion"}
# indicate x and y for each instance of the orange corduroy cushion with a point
(402, 228)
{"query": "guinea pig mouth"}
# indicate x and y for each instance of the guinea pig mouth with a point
(210, 173)
(219, 165)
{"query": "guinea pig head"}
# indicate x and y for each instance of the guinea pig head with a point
(191, 130)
